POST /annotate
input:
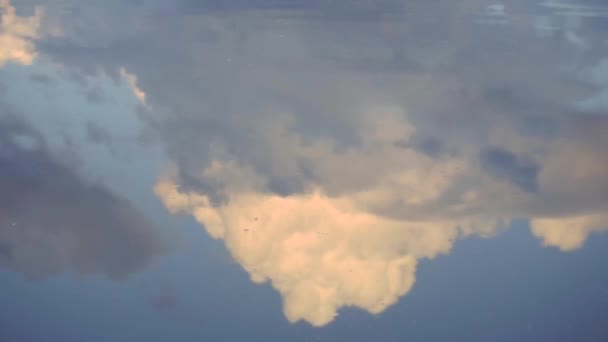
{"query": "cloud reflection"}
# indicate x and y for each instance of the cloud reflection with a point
(568, 233)
(17, 34)
(52, 220)
(333, 145)
(320, 253)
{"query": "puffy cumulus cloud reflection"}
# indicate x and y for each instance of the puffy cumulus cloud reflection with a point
(568, 233)
(364, 215)
(331, 245)
(17, 34)
(321, 253)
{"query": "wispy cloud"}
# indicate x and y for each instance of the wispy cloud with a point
(132, 81)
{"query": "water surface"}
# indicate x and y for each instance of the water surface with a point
(346, 170)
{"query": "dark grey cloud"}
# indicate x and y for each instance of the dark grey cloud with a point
(430, 146)
(504, 165)
(245, 77)
(458, 81)
(312, 10)
(52, 220)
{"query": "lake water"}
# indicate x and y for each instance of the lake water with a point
(290, 170)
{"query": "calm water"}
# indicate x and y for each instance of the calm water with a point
(290, 170)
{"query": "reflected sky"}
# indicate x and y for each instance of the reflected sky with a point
(288, 170)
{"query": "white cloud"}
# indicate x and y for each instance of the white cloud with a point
(320, 253)
(325, 251)
(17, 34)
(568, 233)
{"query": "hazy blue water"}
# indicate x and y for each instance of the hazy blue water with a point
(481, 291)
